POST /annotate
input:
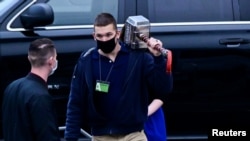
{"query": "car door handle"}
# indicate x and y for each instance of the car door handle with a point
(234, 42)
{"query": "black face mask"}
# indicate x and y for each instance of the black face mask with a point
(106, 46)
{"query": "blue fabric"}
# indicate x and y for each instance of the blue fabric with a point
(106, 101)
(155, 127)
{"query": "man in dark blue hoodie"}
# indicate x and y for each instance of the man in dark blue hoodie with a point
(110, 83)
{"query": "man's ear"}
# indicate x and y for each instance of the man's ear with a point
(50, 61)
(118, 34)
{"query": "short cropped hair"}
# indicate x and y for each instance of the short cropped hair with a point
(40, 50)
(104, 19)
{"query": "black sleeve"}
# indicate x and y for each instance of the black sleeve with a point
(43, 118)
(159, 81)
(74, 115)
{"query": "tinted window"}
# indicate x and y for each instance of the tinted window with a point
(244, 10)
(79, 12)
(196, 10)
(5, 5)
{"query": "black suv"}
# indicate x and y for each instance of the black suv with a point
(209, 40)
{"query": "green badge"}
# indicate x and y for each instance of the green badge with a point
(102, 86)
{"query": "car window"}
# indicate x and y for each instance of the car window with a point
(244, 10)
(198, 10)
(81, 12)
(5, 5)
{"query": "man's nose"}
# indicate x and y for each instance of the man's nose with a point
(105, 38)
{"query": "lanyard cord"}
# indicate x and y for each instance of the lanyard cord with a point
(100, 72)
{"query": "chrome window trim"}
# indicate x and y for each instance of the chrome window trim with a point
(14, 17)
(169, 24)
(120, 25)
(200, 23)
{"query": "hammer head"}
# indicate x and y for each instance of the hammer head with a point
(134, 26)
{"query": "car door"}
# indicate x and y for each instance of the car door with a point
(210, 44)
(71, 32)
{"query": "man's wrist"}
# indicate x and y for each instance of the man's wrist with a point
(157, 54)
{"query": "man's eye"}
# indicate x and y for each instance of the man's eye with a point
(99, 36)
(106, 35)
(109, 34)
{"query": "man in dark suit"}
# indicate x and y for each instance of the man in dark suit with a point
(27, 107)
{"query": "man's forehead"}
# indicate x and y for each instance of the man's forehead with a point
(104, 29)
